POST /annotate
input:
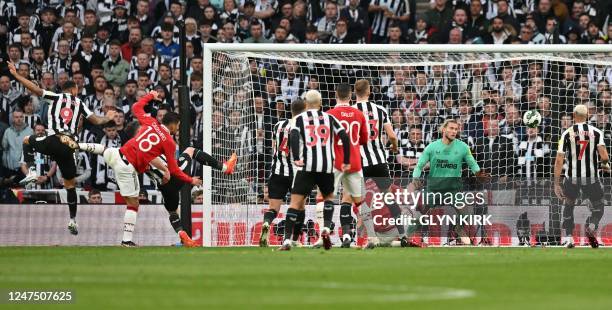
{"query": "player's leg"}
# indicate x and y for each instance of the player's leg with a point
(381, 176)
(353, 191)
(325, 182)
(595, 194)
(571, 192)
(207, 160)
(94, 148)
(303, 183)
(278, 187)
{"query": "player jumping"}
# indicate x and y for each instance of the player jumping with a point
(581, 144)
(152, 140)
(65, 113)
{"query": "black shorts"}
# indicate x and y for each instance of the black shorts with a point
(279, 186)
(593, 192)
(304, 182)
(380, 174)
(184, 162)
(58, 151)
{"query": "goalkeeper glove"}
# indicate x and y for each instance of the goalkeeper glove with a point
(482, 176)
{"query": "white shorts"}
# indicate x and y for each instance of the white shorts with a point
(125, 174)
(352, 183)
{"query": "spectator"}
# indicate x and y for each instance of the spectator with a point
(503, 12)
(411, 146)
(340, 34)
(439, 16)
(167, 48)
(533, 155)
(116, 69)
(46, 28)
(197, 197)
(495, 153)
(27, 106)
(478, 22)
(87, 56)
(460, 21)
(395, 35)
(327, 24)
(541, 14)
(12, 144)
(420, 33)
(358, 21)
(385, 13)
(142, 14)
(256, 33)
(94, 197)
(104, 178)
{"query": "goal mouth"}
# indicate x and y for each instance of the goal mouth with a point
(486, 88)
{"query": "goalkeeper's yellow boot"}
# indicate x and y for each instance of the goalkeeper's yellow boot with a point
(265, 235)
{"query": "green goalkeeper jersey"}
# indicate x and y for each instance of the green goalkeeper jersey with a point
(445, 163)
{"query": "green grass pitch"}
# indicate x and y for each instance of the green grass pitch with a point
(255, 278)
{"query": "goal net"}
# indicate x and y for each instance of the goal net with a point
(487, 89)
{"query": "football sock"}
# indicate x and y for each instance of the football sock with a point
(129, 221)
(345, 217)
(596, 214)
(206, 159)
(568, 219)
(175, 221)
(328, 212)
(94, 148)
(270, 215)
(72, 202)
(297, 230)
(290, 220)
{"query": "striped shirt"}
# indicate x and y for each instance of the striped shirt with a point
(153, 76)
(380, 23)
(579, 142)
(317, 130)
(376, 116)
(281, 160)
(65, 112)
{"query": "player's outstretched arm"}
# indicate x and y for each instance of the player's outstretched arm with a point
(101, 120)
(23, 80)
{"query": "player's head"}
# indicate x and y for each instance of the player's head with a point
(70, 87)
(581, 113)
(343, 92)
(297, 106)
(362, 89)
(449, 129)
(172, 121)
(313, 99)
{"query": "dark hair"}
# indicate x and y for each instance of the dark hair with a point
(297, 106)
(68, 85)
(131, 82)
(93, 192)
(110, 124)
(343, 91)
(171, 118)
(167, 27)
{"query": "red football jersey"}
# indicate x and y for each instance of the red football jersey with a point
(152, 140)
(355, 125)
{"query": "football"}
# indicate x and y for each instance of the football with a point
(532, 118)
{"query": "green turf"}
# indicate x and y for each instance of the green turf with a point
(251, 278)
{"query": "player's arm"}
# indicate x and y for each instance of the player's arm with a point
(364, 134)
(423, 160)
(388, 127)
(100, 120)
(559, 159)
(603, 154)
(31, 86)
(138, 107)
(344, 137)
(159, 164)
(294, 141)
(470, 160)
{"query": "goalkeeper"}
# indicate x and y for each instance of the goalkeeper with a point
(445, 157)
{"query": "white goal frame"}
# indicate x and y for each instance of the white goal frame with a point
(378, 48)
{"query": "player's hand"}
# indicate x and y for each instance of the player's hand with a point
(111, 114)
(12, 68)
(166, 177)
(298, 163)
(155, 94)
(41, 179)
(196, 181)
(559, 191)
(483, 177)
(346, 167)
(394, 148)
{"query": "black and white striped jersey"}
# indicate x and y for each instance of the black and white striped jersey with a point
(157, 175)
(579, 144)
(152, 73)
(318, 131)
(380, 23)
(65, 112)
(57, 65)
(533, 155)
(281, 160)
(374, 152)
(153, 63)
(31, 120)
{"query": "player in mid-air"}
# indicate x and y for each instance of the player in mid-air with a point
(312, 137)
(582, 145)
(65, 113)
(355, 125)
(152, 140)
(446, 157)
(281, 174)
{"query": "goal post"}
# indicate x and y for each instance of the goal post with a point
(237, 77)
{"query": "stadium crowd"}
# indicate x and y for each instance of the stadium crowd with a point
(117, 50)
